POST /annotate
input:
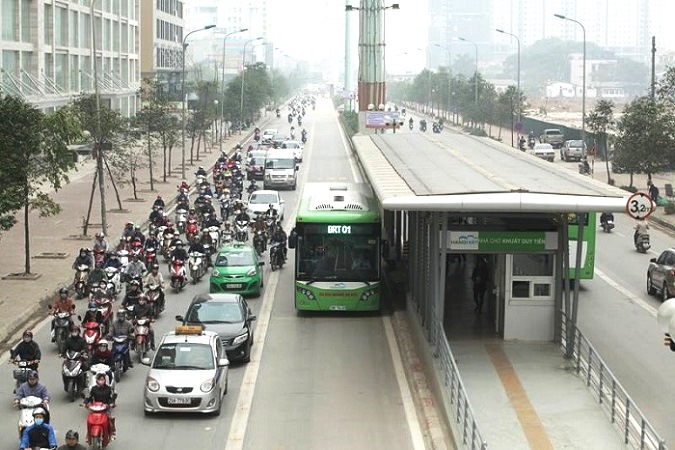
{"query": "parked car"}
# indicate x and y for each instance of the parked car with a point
(552, 136)
(543, 151)
(229, 316)
(661, 275)
(573, 150)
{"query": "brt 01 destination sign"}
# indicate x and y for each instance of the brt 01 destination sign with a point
(503, 241)
(339, 229)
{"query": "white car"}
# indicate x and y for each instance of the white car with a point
(260, 200)
(297, 148)
(268, 133)
(543, 151)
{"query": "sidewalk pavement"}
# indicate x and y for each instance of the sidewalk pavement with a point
(55, 241)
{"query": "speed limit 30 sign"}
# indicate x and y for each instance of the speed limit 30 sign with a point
(640, 206)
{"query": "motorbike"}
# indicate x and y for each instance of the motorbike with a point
(252, 187)
(303, 139)
(73, 374)
(276, 256)
(197, 266)
(531, 142)
(141, 335)
(241, 230)
(259, 242)
(20, 374)
(521, 144)
(91, 334)
(177, 273)
(214, 233)
(290, 118)
(642, 243)
(123, 256)
(584, 169)
(27, 406)
(106, 308)
(150, 257)
(191, 229)
(81, 276)
(99, 255)
(61, 328)
(153, 295)
(278, 114)
(137, 249)
(423, 125)
(166, 245)
(225, 208)
(435, 128)
(607, 226)
(93, 372)
(98, 425)
(120, 350)
(181, 220)
(114, 281)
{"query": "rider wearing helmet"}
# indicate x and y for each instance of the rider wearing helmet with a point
(75, 342)
(32, 388)
(103, 393)
(100, 243)
(201, 171)
(159, 201)
(72, 442)
(179, 252)
(63, 304)
(122, 327)
(143, 310)
(280, 237)
(27, 350)
(102, 354)
(132, 293)
(128, 230)
(40, 434)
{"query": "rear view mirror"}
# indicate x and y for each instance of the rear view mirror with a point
(223, 362)
(252, 317)
(145, 361)
(651, 260)
(180, 318)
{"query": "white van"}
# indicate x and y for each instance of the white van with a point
(280, 169)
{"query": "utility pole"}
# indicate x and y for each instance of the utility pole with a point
(98, 148)
(653, 84)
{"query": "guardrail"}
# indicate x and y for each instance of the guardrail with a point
(614, 400)
(461, 407)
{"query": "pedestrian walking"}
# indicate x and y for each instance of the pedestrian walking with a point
(480, 276)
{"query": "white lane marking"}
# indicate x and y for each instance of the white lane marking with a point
(632, 297)
(235, 440)
(404, 388)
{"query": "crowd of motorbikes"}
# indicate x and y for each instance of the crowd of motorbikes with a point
(130, 269)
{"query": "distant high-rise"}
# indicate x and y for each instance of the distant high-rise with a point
(621, 26)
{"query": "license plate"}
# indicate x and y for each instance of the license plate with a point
(233, 285)
(178, 400)
(338, 308)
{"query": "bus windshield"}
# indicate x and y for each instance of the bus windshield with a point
(345, 258)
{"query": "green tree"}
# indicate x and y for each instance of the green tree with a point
(34, 150)
(599, 121)
(644, 143)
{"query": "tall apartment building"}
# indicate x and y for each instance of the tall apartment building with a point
(162, 31)
(621, 26)
(46, 51)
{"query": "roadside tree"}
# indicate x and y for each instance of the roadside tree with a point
(599, 121)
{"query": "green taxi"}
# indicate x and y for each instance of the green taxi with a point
(236, 269)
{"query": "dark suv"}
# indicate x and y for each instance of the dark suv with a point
(661, 275)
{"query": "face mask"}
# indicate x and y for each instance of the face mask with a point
(39, 421)
(27, 339)
(74, 334)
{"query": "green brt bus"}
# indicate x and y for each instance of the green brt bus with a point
(588, 246)
(337, 248)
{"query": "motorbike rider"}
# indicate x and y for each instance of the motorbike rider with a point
(641, 227)
(102, 354)
(123, 327)
(522, 142)
(184, 186)
(154, 277)
(40, 434)
(27, 350)
(128, 230)
(122, 245)
(159, 201)
(138, 234)
(303, 135)
(242, 216)
(585, 166)
(100, 243)
(179, 252)
(63, 304)
(103, 393)
(280, 237)
(97, 275)
(196, 245)
(33, 388)
(75, 342)
(410, 122)
(151, 242)
(292, 132)
(141, 310)
(72, 442)
(192, 215)
(606, 217)
(132, 293)
(84, 258)
(157, 216)
(201, 171)
(271, 211)
(211, 221)
(136, 269)
(112, 261)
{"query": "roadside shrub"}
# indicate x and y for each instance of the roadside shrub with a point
(632, 189)
(669, 208)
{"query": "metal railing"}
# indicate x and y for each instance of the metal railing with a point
(461, 408)
(636, 430)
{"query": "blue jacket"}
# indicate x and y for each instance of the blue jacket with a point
(26, 390)
(37, 431)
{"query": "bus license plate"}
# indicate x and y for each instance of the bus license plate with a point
(338, 308)
(178, 400)
(233, 285)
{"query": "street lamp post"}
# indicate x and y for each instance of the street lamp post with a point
(243, 71)
(475, 74)
(517, 77)
(222, 86)
(583, 77)
(97, 137)
(182, 96)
